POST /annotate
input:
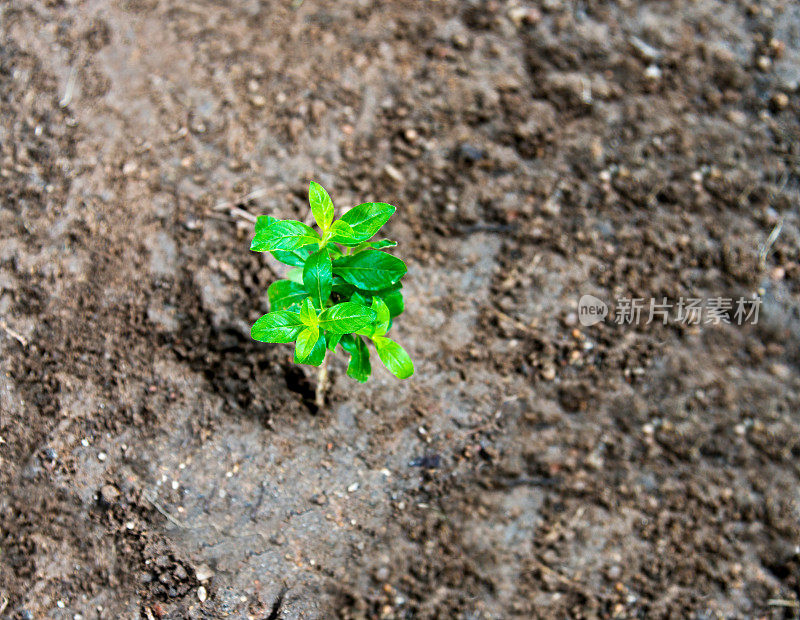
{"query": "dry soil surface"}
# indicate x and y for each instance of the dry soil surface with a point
(155, 462)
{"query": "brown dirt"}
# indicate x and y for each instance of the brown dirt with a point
(531, 468)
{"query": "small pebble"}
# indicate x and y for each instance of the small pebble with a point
(353, 488)
(470, 153)
(460, 41)
(777, 47)
(764, 63)
(780, 100)
(202, 595)
(737, 117)
(781, 371)
(393, 173)
(109, 494)
(102, 456)
(652, 72)
(203, 572)
(521, 15)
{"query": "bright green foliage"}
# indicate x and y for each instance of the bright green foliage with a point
(342, 290)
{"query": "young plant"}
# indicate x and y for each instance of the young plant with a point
(341, 290)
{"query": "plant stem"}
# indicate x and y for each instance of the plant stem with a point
(322, 384)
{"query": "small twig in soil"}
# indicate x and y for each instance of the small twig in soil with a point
(70, 87)
(245, 215)
(516, 323)
(527, 482)
(163, 512)
(565, 580)
(3, 603)
(257, 506)
(767, 246)
(15, 335)
(783, 602)
(235, 211)
(322, 384)
(226, 204)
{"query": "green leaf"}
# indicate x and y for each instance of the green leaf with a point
(333, 250)
(263, 222)
(394, 301)
(359, 367)
(295, 258)
(305, 342)
(376, 245)
(283, 294)
(278, 326)
(346, 318)
(394, 357)
(317, 353)
(371, 270)
(383, 317)
(341, 287)
(307, 313)
(341, 232)
(361, 297)
(382, 292)
(318, 277)
(382, 321)
(321, 205)
(283, 235)
(332, 340)
(295, 274)
(366, 219)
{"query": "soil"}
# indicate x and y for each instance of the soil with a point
(155, 462)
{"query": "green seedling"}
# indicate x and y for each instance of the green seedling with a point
(341, 290)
